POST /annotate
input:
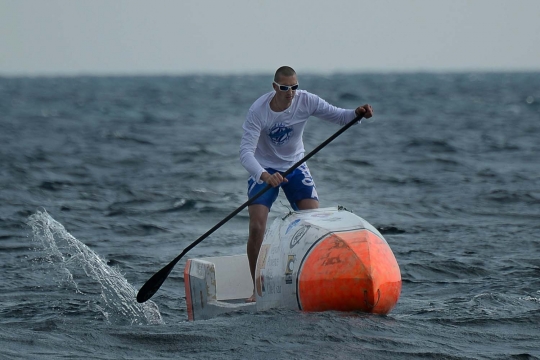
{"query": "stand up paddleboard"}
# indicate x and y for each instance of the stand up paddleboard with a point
(311, 260)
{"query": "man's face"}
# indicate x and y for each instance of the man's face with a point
(287, 81)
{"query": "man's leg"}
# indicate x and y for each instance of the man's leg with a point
(300, 189)
(258, 215)
(307, 204)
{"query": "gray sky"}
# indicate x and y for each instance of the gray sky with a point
(233, 36)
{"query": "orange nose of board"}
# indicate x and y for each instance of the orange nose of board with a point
(349, 271)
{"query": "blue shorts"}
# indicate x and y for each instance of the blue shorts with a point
(299, 187)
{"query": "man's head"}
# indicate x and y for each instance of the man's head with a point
(285, 83)
(284, 71)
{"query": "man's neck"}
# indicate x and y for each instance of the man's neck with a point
(278, 106)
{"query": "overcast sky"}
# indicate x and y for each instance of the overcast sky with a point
(72, 37)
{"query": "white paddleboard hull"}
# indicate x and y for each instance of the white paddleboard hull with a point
(313, 260)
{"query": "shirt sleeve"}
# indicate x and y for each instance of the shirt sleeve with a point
(328, 112)
(250, 138)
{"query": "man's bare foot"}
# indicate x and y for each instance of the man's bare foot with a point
(251, 299)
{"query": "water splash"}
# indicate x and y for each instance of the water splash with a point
(68, 255)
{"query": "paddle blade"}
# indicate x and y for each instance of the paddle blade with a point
(153, 284)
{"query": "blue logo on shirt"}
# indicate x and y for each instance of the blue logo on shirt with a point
(280, 134)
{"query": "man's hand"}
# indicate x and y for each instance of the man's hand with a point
(365, 109)
(275, 179)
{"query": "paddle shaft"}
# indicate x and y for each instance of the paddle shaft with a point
(154, 283)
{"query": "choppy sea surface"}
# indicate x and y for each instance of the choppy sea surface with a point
(104, 180)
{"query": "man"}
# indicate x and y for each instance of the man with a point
(272, 143)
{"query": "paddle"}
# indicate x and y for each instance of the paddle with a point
(153, 284)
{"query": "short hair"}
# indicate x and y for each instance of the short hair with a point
(284, 71)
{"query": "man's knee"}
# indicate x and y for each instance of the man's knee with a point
(258, 215)
(307, 204)
(256, 229)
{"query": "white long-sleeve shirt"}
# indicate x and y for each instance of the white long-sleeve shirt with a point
(274, 139)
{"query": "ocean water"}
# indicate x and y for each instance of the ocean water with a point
(104, 180)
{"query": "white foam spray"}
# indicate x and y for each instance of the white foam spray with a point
(67, 255)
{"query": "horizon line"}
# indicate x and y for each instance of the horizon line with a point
(68, 74)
